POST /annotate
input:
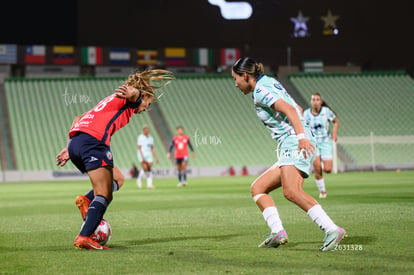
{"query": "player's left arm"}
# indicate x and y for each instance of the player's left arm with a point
(191, 148)
(335, 129)
(153, 153)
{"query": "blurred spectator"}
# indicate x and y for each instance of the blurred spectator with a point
(244, 171)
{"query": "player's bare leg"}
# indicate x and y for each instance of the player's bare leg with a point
(149, 176)
(102, 184)
(292, 183)
(260, 189)
(144, 166)
(320, 182)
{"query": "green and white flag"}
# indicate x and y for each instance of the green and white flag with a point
(203, 57)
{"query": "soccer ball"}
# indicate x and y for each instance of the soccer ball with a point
(102, 233)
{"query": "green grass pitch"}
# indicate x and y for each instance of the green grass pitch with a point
(211, 226)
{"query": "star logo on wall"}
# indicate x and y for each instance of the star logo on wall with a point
(329, 27)
(300, 29)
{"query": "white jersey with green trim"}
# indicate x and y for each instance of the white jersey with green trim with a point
(267, 91)
(146, 143)
(319, 123)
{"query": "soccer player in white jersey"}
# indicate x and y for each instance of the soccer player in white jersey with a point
(319, 117)
(296, 144)
(146, 156)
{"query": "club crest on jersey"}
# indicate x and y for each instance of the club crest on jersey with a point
(109, 155)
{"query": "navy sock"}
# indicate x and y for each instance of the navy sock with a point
(90, 195)
(94, 216)
(180, 176)
(115, 187)
(185, 176)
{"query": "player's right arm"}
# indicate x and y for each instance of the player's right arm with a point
(283, 107)
(170, 148)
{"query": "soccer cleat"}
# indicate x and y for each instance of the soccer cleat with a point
(82, 242)
(322, 195)
(83, 204)
(331, 240)
(275, 239)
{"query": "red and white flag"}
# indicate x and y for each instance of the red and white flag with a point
(229, 56)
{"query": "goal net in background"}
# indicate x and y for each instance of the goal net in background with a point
(374, 153)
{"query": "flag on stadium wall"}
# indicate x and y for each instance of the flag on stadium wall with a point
(203, 57)
(8, 53)
(92, 55)
(229, 56)
(63, 55)
(147, 57)
(35, 54)
(175, 56)
(119, 56)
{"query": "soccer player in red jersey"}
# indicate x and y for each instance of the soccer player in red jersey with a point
(89, 143)
(181, 142)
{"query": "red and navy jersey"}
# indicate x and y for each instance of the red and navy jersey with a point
(102, 121)
(180, 143)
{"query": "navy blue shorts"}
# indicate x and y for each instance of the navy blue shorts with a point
(181, 160)
(88, 153)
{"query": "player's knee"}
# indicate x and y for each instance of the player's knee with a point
(327, 169)
(290, 194)
(256, 190)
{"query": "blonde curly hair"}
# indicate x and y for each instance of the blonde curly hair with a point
(148, 81)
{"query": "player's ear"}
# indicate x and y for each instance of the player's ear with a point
(245, 76)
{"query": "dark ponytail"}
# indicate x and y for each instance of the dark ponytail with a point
(325, 104)
(249, 66)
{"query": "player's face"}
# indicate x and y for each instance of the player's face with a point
(316, 102)
(146, 102)
(180, 131)
(145, 130)
(241, 82)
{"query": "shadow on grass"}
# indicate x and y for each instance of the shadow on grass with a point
(359, 240)
(354, 240)
(173, 239)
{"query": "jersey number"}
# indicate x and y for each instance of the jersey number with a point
(102, 105)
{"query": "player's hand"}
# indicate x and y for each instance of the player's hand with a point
(307, 147)
(194, 156)
(62, 158)
(156, 161)
(334, 137)
(168, 155)
(124, 92)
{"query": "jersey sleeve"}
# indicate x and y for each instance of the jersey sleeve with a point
(331, 115)
(171, 146)
(190, 145)
(266, 96)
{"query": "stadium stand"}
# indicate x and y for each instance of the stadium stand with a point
(220, 121)
(367, 102)
(42, 111)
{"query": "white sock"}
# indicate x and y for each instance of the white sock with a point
(139, 178)
(319, 216)
(271, 216)
(321, 185)
(149, 179)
